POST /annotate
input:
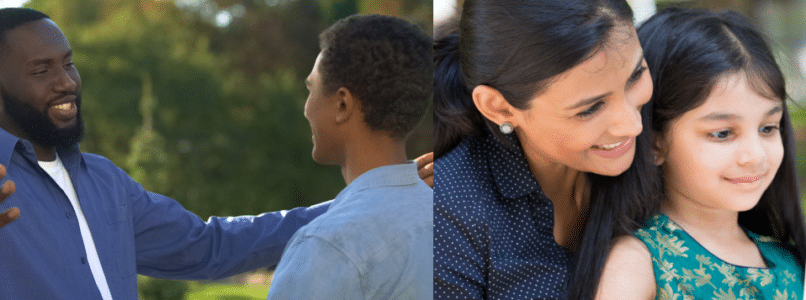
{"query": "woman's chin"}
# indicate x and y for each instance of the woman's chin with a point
(613, 168)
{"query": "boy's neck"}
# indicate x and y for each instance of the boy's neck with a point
(370, 152)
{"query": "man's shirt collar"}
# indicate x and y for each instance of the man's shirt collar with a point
(8, 143)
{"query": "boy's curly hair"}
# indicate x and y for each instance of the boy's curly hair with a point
(386, 62)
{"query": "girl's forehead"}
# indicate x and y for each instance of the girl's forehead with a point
(733, 96)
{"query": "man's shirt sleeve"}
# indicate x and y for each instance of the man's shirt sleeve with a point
(312, 268)
(172, 242)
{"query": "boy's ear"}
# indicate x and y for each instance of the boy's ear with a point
(493, 106)
(345, 103)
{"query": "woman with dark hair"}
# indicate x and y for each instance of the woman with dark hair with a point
(540, 156)
(730, 222)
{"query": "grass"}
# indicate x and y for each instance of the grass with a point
(213, 291)
(160, 289)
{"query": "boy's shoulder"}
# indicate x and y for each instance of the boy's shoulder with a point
(377, 222)
(370, 208)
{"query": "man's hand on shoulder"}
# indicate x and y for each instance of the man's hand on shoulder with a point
(425, 168)
(6, 190)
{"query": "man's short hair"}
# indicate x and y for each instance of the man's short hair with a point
(13, 17)
(386, 63)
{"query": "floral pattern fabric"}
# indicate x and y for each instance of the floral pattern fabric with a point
(685, 270)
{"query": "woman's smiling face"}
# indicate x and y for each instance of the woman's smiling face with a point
(589, 116)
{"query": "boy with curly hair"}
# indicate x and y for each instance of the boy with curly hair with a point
(369, 87)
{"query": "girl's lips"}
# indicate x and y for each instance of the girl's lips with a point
(613, 150)
(745, 179)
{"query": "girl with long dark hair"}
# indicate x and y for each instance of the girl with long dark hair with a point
(540, 156)
(730, 224)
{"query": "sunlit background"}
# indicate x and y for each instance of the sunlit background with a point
(12, 3)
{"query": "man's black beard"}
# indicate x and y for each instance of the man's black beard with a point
(38, 127)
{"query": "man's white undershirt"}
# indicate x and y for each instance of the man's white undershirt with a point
(59, 174)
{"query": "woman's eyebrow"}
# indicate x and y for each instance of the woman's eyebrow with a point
(588, 101)
(595, 99)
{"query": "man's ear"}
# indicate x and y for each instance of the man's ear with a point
(493, 106)
(345, 103)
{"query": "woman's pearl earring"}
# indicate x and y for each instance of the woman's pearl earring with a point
(506, 128)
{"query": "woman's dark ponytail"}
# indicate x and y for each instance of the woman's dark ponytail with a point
(455, 115)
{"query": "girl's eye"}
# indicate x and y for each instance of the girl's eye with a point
(591, 110)
(39, 72)
(720, 135)
(769, 130)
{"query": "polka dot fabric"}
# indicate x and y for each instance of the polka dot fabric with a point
(493, 227)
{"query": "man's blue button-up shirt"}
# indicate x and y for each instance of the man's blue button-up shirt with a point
(42, 255)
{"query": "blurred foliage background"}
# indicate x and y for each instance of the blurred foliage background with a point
(202, 101)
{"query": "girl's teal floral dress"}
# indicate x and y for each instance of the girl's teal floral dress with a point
(685, 270)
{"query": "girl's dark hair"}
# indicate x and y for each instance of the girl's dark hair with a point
(518, 47)
(689, 52)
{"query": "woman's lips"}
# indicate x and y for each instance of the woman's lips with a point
(613, 150)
